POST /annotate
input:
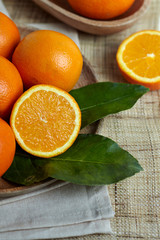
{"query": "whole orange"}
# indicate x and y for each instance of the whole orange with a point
(7, 146)
(9, 36)
(101, 9)
(11, 87)
(48, 57)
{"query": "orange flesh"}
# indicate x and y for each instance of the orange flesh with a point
(142, 55)
(45, 121)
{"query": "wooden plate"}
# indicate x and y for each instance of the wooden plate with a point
(8, 189)
(61, 10)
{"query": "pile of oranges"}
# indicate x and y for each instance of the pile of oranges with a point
(36, 75)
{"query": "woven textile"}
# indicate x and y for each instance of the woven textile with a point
(136, 201)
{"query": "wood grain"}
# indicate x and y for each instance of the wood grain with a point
(61, 10)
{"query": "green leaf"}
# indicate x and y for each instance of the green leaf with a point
(92, 160)
(23, 171)
(101, 99)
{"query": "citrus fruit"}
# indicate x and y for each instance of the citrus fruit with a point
(9, 36)
(138, 58)
(11, 87)
(46, 120)
(101, 9)
(48, 57)
(7, 146)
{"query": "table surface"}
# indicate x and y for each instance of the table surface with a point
(136, 201)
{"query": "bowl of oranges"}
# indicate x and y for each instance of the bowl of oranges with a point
(29, 70)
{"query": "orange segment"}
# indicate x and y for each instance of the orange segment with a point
(46, 120)
(138, 58)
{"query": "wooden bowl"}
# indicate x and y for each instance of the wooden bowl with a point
(61, 10)
(8, 189)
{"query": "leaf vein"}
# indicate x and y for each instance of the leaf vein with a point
(103, 103)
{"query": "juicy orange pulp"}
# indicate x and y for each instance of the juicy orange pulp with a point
(138, 58)
(46, 120)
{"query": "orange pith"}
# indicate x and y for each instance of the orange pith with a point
(138, 58)
(46, 120)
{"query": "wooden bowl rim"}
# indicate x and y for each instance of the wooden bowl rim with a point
(35, 186)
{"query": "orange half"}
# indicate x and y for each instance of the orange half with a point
(138, 58)
(46, 121)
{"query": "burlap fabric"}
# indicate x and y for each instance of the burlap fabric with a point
(136, 201)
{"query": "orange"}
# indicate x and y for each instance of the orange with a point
(7, 146)
(46, 120)
(9, 36)
(101, 9)
(48, 57)
(11, 87)
(138, 58)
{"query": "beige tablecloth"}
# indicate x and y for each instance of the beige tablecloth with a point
(136, 201)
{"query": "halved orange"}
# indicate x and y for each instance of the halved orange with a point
(138, 58)
(45, 120)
